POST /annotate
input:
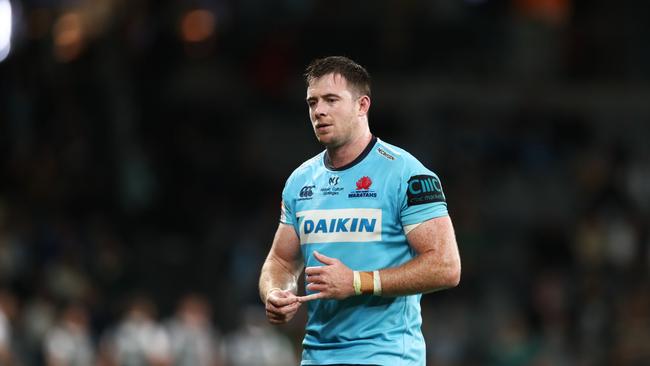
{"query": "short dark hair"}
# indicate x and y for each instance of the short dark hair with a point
(356, 76)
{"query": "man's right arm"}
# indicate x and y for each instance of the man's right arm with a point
(279, 279)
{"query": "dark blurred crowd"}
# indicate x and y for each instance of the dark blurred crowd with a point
(144, 146)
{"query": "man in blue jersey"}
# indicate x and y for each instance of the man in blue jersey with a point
(369, 222)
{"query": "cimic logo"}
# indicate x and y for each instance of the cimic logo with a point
(424, 184)
(339, 225)
(424, 189)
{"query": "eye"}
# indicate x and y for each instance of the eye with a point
(311, 103)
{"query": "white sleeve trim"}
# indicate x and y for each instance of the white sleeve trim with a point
(408, 228)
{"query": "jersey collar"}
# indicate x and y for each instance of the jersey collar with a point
(364, 153)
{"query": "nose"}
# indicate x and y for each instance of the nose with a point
(319, 110)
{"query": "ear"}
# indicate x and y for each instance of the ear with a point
(364, 105)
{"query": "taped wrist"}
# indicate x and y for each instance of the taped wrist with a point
(367, 283)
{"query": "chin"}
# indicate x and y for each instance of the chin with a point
(328, 140)
(324, 139)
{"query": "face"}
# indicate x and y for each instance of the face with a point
(334, 110)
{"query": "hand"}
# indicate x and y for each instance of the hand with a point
(332, 281)
(281, 306)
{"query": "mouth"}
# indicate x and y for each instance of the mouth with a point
(322, 127)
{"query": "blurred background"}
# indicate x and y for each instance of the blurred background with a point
(144, 146)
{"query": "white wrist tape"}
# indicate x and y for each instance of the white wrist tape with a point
(376, 284)
(357, 283)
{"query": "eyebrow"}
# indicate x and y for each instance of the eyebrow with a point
(328, 95)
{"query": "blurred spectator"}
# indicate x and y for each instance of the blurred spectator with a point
(257, 343)
(8, 308)
(632, 328)
(37, 318)
(68, 343)
(448, 332)
(194, 340)
(138, 339)
(14, 252)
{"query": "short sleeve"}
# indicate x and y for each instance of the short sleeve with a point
(286, 206)
(421, 194)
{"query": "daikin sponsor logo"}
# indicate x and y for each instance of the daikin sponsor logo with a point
(340, 225)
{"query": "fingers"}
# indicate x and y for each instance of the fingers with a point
(314, 278)
(312, 271)
(278, 301)
(281, 318)
(316, 282)
(328, 261)
(320, 287)
(324, 259)
(277, 320)
(280, 314)
(307, 298)
(282, 311)
(328, 281)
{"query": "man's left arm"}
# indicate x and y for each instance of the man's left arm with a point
(436, 266)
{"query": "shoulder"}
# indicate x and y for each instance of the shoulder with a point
(314, 161)
(409, 170)
(395, 154)
(307, 167)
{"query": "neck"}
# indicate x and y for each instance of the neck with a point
(346, 153)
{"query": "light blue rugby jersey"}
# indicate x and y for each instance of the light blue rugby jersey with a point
(358, 214)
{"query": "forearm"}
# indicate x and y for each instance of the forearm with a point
(276, 274)
(424, 273)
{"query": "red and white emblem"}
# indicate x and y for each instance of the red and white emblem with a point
(364, 183)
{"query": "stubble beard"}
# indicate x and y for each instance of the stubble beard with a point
(331, 142)
(336, 139)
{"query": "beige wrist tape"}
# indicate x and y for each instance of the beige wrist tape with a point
(367, 283)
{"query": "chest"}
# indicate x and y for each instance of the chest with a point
(350, 206)
(358, 189)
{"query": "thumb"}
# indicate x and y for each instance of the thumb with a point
(323, 258)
